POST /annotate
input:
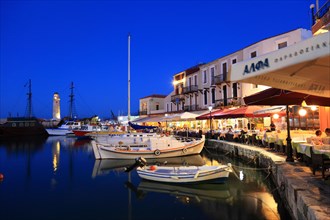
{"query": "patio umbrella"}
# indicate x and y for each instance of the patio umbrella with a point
(274, 96)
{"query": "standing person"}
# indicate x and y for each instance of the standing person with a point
(272, 126)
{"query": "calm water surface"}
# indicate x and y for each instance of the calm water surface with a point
(58, 178)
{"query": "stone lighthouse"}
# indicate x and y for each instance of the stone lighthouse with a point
(56, 107)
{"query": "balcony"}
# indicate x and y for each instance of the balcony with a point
(321, 18)
(220, 79)
(234, 101)
(231, 101)
(190, 89)
(143, 112)
(191, 108)
(177, 98)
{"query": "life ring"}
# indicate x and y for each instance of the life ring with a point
(184, 150)
(157, 152)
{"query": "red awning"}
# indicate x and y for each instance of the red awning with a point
(214, 114)
(243, 112)
(275, 96)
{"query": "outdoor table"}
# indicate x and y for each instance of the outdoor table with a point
(304, 148)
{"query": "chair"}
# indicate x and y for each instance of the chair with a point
(319, 160)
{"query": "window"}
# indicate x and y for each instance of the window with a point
(195, 80)
(189, 81)
(213, 95)
(253, 54)
(204, 77)
(282, 45)
(224, 68)
(157, 106)
(234, 61)
(205, 97)
(167, 107)
(212, 76)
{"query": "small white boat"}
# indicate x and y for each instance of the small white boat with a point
(64, 129)
(185, 174)
(152, 147)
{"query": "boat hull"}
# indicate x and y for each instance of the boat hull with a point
(146, 151)
(20, 126)
(58, 132)
(185, 174)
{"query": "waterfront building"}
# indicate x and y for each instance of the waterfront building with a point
(56, 107)
(152, 104)
(209, 86)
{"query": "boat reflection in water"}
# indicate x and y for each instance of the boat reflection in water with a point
(103, 167)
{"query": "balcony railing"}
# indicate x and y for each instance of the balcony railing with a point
(190, 89)
(143, 112)
(231, 101)
(177, 98)
(220, 78)
(191, 108)
(321, 18)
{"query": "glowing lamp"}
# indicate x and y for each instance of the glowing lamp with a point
(313, 108)
(302, 112)
(276, 116)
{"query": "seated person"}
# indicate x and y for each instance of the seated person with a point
(318, 133)
(327, 132)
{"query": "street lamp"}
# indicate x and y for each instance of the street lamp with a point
(166, 122)
(210, 109)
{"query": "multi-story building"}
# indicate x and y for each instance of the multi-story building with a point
(206, 85)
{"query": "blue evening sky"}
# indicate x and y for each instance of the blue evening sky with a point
(54, 43)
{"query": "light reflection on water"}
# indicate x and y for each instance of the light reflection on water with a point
(59, 178)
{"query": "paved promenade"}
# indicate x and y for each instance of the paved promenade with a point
(307, 196)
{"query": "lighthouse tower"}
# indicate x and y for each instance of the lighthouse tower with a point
(56, 107)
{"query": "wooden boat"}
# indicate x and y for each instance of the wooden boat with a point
(151, 147)
(103, 167)
(22, 126)
(185, 174)
(85, 130)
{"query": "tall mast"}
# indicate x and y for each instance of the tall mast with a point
(129, 79)
(29, 101)
(71, 108)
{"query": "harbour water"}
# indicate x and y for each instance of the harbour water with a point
(58, 178)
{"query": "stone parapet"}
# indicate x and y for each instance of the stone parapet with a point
(307, 196)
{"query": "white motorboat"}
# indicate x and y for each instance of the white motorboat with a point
(185, 174)
(65, 129)
(148, 147)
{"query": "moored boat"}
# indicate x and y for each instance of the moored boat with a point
(184, 174)
(152, 147)
(65, 129)
(22, 126)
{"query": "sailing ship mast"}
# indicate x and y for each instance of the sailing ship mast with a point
(29, 101)
(129, 79)
(71, 108)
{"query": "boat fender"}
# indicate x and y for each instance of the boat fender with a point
(1, 177)
(184, 150)
(157, 152)
(153, 167)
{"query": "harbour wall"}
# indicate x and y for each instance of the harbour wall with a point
(305, 196)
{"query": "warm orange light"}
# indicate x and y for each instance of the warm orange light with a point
(302, 112)
(276, 116)
(313, 108)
